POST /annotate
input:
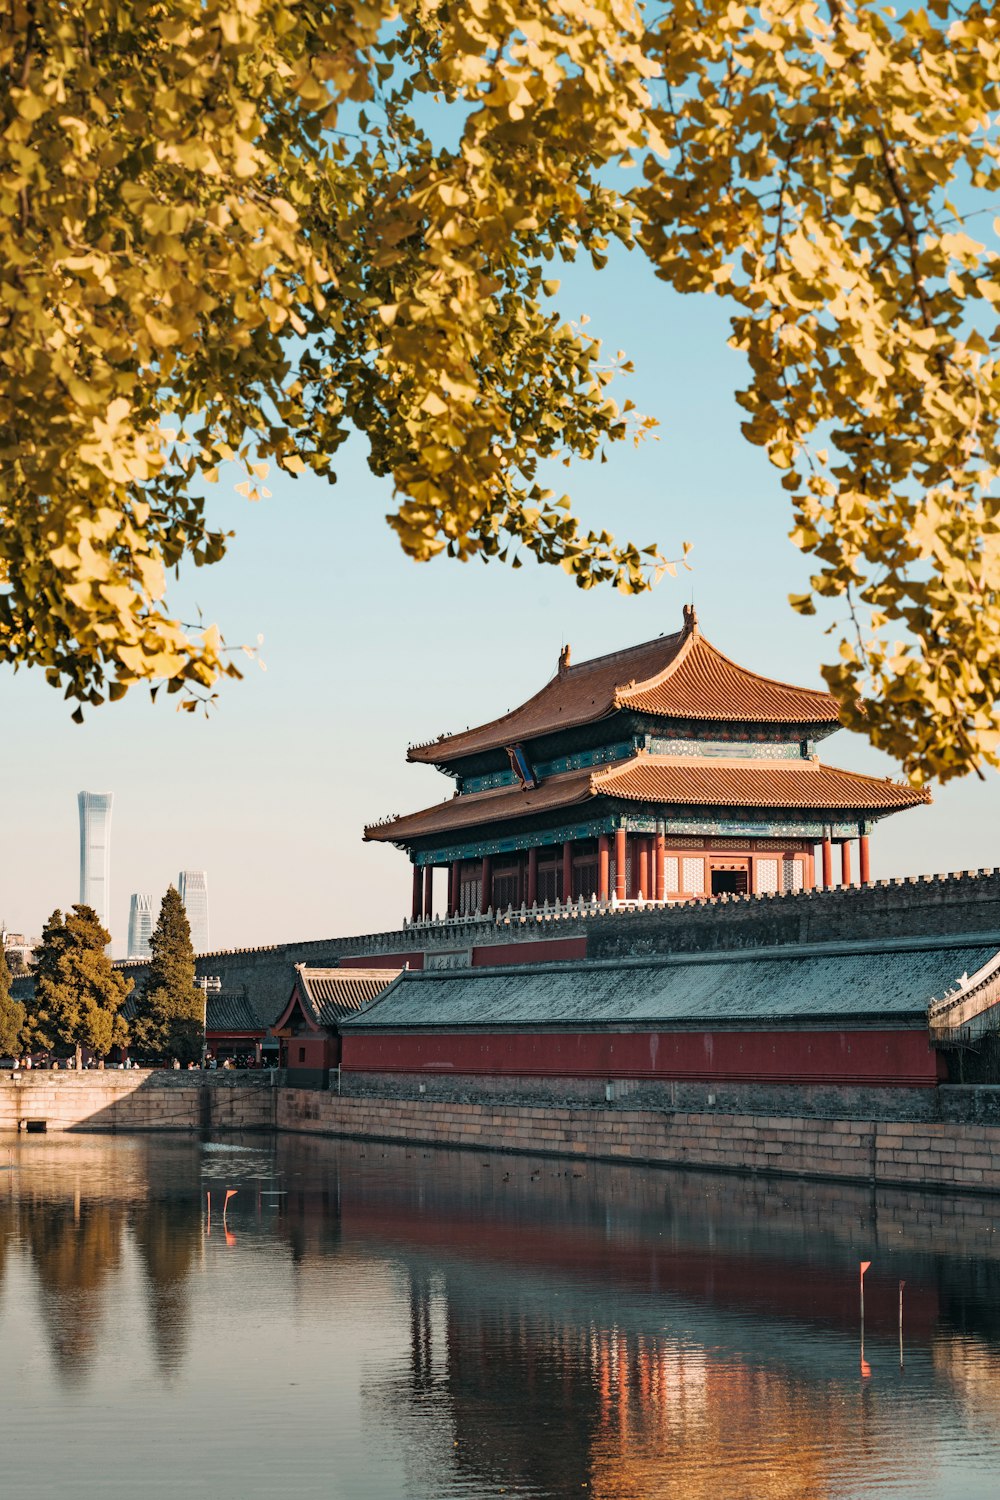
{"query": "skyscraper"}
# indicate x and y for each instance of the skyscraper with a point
(192, 887)
(95, 852)
(140, 924)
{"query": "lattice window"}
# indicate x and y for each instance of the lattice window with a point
(585, 880)
(469, 893)
(694, 876)
(671, 873)
(549, 883)
(791, 875)
(767, 874)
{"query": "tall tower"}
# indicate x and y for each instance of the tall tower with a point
(192, 887)
(95, 852)
(140, 924)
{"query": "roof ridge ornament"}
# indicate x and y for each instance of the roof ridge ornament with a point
(690, 620)
(564, 657)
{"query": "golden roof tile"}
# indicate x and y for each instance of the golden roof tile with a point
(671, 781)
(679, 676)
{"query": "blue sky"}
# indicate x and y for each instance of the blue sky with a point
(366, 651)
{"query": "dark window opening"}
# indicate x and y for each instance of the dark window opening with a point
(729, 882)
(302, 1054)
(506, 889)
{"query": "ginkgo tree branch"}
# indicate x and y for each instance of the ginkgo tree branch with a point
(270, 263)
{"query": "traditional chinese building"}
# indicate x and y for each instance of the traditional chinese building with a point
(309, 1025)
(664, 772)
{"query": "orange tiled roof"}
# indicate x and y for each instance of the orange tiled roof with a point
(495, 805)
(680, 676)
(670, 781)
(752, 783)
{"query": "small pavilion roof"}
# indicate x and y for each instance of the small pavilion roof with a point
(669, 780)
(679, 676)
(328, 995)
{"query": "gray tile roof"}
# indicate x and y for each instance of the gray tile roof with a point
(336, 993)
(227, 1010)
(864, 983)
(232, 1012)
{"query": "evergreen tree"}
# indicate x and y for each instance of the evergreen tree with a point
(78, 995)
(169, 1013)
(11, 1013)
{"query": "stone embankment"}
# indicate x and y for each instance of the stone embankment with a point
(137, 1099)
(958, 1152)
(949, 1154)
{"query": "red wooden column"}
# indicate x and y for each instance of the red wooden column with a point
(531, 897)
(865, 858)
(486, 895)
(660, 864)
(620, 856)
(603, 867)
(455, 888)
(567, 870)
(642, 884)
(428, 890)
(845, 862)
(827, 864)
(418, 882)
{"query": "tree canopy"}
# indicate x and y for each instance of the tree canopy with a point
(231, 232)
(78, 996)
(170, 1009)
(11, 1013)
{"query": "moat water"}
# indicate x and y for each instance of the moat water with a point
(368, 1322)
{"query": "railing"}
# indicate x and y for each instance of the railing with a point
(968, 1012)
(585, 907)
(545, 911)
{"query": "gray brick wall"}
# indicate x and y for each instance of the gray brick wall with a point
(921, 906)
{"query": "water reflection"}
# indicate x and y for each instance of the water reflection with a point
(168, 1235)
(406, 1323)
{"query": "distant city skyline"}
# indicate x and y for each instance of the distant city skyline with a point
(140, 924)
(192, 887)
(95, 851)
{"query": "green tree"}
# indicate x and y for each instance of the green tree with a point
(169, 1011)
(78, 996)
(11, 1013)
(228, 233)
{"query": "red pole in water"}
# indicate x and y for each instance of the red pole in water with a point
(230, 1193)
(865, 1367)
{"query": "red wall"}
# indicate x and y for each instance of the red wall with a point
(320, 1052)
(384, 961)
(903, 1058)
(490, 955)
(542, 950)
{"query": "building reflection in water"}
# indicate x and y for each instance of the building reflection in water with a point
(557, 1330)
